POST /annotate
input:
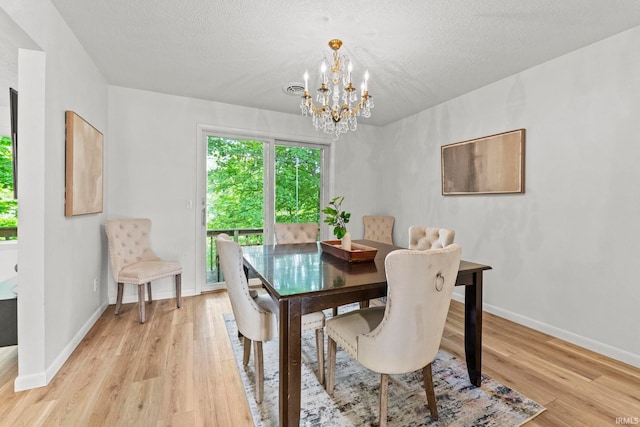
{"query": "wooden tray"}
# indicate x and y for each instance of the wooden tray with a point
(358, 252)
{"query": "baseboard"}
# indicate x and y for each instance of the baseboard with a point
(41, 379)
(588, 343)
(27, 382)
(53, 369)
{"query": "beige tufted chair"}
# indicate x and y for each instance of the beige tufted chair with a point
(405, 335)
(302, 232)
(257, 317)
(378, 228)
(425, 238)
(133, 261)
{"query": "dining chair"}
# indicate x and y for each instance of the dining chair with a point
(379, 228)
(424, 238)
(296, 232)
(257, 317)
(134, 262)
(403, 336)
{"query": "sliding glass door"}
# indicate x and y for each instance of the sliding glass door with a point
(251, 184)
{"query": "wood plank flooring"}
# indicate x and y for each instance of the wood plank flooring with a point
(178, 370)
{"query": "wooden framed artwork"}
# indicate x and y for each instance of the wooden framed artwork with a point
(83, 167)
(489, 165)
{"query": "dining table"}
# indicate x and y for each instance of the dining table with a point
(302, 278)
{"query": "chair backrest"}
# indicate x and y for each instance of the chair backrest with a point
(301, 232)
(420, 287)
(128, 242)
(425, 238)
(379, 228)
(253, 322)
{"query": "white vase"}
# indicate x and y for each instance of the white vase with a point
(346, 241)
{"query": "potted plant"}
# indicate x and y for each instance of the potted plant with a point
(338, 219)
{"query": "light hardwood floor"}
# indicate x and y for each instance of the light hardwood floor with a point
(178, 370)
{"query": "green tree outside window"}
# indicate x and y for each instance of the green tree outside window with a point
(8, 205)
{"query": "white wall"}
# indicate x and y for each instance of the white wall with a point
(11, 39)
(359, 176)
(152, 159)
(59, 257)
(563, 253)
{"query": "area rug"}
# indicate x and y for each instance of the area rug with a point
(356, 395)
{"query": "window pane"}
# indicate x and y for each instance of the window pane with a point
(8, 205)
(297, 184)
(235, 183)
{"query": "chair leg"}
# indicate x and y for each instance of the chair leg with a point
(320, 350)
(331, 366)
(179, 290)
(141, 302)
(335, 311)
(384, 385)
(247, 350)
(257, 355)
(119, 297)
(431, 394)
(149, 291)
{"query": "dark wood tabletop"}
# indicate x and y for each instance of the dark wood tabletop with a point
(302, 279)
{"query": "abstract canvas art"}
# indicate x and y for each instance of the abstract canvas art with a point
(84, 167)
(489, 165)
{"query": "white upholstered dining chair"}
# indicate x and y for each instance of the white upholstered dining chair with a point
(379, 228)
(403, 336)
(425, 238)
(134, 262)
(296, 232)
(257, 317)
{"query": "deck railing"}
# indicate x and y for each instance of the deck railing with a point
(243, 236)
(8, 233)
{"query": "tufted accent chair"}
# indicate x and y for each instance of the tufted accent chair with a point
(133, 261)
(403, 336)
(257, 317)
(424, 238)
(379, 228)
(302, 232)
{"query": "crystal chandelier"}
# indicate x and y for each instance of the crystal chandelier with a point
(336, 110)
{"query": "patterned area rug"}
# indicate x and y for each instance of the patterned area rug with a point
(357, 390)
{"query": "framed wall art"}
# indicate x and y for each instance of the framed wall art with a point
(489, 165)
(83, 167)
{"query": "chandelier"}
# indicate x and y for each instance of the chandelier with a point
(338, 105)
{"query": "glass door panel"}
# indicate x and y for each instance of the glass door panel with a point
(235, 194)
(298, 183)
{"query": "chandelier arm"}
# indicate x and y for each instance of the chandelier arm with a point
(318, 111)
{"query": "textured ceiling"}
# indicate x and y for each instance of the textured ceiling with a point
(419, 53)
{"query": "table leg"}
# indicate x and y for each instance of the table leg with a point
(473, 328)
(290, 361)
